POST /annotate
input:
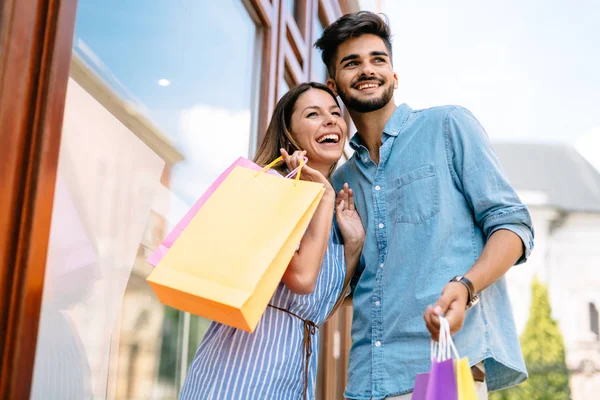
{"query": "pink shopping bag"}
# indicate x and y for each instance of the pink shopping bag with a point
(168, 241)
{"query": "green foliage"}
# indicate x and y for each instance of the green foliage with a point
(544, 352)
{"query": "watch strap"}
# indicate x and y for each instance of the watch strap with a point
(473, 297)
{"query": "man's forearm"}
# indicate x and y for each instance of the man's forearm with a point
(500, 253)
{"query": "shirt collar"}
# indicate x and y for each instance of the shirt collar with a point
(392, 127)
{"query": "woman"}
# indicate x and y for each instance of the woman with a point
(279, 360)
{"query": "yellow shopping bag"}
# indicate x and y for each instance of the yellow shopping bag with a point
(464, 380)
(228, 261)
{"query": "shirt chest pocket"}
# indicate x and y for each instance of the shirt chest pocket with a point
(418, 195)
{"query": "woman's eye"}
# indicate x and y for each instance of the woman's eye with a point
(336, 113)
(312, 114)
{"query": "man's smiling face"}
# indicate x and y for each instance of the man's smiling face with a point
(364, 78)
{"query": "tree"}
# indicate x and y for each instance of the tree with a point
(544, 352)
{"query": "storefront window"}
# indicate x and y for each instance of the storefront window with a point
(284, 87)
(160, 100)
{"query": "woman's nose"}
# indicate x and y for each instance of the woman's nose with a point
(330, 120)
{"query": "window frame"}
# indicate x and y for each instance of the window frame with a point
(36, 39)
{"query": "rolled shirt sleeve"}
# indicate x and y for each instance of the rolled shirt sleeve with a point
(477, 172)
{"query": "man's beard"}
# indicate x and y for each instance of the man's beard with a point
(365, 106)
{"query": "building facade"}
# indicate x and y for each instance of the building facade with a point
(562, 191)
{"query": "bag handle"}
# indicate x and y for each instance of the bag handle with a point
(444, 349)
(296, 172)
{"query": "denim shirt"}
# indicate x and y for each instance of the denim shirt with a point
(428, 207)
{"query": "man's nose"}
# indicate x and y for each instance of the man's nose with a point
(367, 69)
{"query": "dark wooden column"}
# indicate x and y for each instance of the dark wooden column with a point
(35, 50)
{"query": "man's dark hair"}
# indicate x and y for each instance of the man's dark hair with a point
(349, 26)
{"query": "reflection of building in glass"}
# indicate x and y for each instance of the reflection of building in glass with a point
(104, 190)
(137, 347)
(110, 167)
(62, 370)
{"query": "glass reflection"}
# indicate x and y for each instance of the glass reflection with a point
(159, 103)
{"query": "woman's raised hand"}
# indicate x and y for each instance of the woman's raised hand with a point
(307, 173)
(348, 220)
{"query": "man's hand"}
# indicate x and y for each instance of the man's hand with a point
(452, 305)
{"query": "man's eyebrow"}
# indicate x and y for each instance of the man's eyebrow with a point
(379, 53)
(350, 57)
(356, 56)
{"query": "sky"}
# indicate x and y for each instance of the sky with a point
(187, 42)
(187, 65)
(528, 70)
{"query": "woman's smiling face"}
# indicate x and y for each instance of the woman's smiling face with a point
(318, 127)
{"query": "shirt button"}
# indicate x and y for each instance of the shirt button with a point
(377, 303)
(378, 343)
(377, 187)
(381, 226)
(381, 265)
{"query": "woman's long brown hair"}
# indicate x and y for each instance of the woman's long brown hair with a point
(279, 133)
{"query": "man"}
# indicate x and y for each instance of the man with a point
(443, 226)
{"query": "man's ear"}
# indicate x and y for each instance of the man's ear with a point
(395, 80)
(331, 85)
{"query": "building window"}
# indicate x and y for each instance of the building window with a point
(318, 69)
(160, 101)
(594, 326)
(286, 83)
(293, 7)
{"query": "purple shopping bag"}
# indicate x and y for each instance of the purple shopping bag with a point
(442, 381)
(420, 390)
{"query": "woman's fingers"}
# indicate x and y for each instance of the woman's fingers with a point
(340, 207)
(340, 197)
(295, 159)
(284, 153)
(292, 161)
(286, 157)
(351, 200)
(347, 196)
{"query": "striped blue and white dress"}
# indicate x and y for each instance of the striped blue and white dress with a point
(232, 364)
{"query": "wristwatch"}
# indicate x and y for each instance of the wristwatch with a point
(473, 297)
